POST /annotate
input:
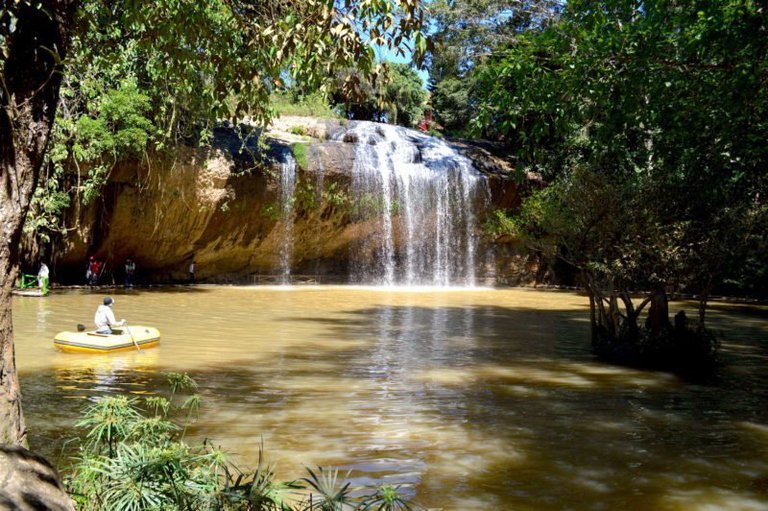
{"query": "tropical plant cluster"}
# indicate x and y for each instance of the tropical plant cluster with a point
(135, 456)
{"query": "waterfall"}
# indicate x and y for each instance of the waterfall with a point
(420, 197)
(287, 192)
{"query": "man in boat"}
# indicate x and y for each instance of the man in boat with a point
(105, 318)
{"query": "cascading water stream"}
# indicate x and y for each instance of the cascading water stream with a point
(414, 201)
(287, 192)
(421, 197)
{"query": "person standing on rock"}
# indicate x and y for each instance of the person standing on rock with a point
(130, 269)
(192, 268)
(89, 270)
(94, 271)
(42, 278)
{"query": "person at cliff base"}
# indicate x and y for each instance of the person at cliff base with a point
(94, 271)
(42, 278)
(105, 318)
(130, 269)
(88, 270)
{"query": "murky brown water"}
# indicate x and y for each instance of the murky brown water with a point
(477, 400)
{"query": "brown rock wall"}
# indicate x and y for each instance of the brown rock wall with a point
(163, 211)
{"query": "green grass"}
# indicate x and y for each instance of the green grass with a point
(312, 105)
(299, 151)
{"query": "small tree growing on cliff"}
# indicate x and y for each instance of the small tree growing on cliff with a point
(190, 58)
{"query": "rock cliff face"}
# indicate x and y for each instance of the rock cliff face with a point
(227, 211)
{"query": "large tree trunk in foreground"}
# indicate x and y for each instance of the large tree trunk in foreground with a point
(36, 41)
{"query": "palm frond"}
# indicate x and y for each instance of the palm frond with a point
(334, 493)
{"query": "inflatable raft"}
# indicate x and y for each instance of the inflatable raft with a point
(122, 339)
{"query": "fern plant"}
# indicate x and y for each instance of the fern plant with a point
(134, 457)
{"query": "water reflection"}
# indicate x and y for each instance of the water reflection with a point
(475, 399)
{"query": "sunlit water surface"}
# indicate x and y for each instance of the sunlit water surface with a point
(473, 399)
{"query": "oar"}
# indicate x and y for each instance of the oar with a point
(125, 324)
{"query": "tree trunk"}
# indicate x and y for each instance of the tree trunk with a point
(630, 322)
(703, 299)
(592, 318)
(36, 36)
(658, 313)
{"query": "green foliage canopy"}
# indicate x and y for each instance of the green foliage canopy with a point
(204, 61)
(466, 31)
(404, 95)
(398, 97)
(466, 34)
(649, 120)
(145, 76)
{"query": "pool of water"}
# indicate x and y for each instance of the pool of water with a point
(471, 398)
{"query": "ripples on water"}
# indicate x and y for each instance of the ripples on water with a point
(475, 399)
